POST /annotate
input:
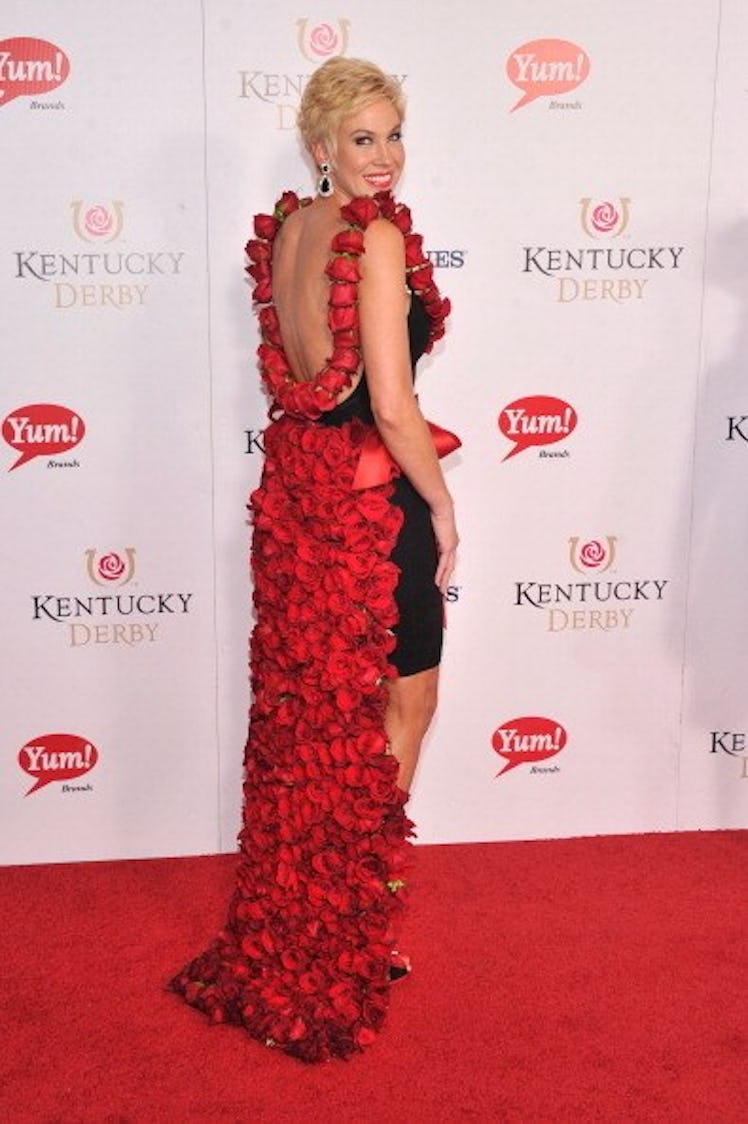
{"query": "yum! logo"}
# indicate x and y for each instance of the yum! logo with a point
(57, 757)
(545, 67)
(30, 66)
(41, 430)
(538, 419)
(529, 741)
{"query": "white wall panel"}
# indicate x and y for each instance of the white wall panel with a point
(592, 241)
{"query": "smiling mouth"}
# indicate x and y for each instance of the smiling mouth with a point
(379, 179)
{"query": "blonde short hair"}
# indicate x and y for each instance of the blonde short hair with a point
(339, 88)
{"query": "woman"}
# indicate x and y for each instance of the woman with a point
(354, 545)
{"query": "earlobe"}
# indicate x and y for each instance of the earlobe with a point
(320, 154)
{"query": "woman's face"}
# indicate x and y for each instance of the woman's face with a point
(369, 154)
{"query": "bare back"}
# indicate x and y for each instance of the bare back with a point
(301, 254)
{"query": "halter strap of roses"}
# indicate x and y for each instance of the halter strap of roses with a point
(313, 398)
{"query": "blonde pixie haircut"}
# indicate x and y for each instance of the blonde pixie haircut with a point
(337, 89)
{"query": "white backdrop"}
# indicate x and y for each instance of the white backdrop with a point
(581, 183)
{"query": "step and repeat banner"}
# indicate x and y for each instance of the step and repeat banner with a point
(581, 181)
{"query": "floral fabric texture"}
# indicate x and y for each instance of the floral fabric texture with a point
(303, 959)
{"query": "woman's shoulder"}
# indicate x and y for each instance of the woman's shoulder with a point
(382, 239)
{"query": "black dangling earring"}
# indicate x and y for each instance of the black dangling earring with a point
(324, 183)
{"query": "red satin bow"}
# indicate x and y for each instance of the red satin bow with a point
(376, 466)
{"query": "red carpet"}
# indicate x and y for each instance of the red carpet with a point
(577, 980)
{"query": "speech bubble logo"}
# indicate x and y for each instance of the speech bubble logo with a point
(546, 67)
(41, 430)
(30, 66)
(526, 740)
(56, 757)
(536, 420)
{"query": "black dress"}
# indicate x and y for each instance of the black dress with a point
(419, 603)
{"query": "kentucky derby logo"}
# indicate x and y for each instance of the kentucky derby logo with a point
(604, 218)
(595, 554)
(111, 614)
(613, 268)
(97, 222)
(600, 599)
(112, 568)
(322, 41)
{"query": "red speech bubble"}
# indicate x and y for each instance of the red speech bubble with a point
(30, 66)
(40, 430)
(56, 757)
(545, 67)
(524, 740)
(536, 420)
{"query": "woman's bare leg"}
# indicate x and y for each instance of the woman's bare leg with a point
(408, 716)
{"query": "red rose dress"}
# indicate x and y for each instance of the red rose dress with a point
(303, 960)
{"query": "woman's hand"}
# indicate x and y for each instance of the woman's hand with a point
(445, 530)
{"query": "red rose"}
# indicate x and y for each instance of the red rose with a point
(413, 249)
(402, 218)
(373, 506)
(349, 339)
(345, 359)
(263, 292)
(269, 325)
(386, 203)
(265, 226)
(382, 790)
(361, 211)
(375, 926)
(347, 699)
(341, 319)
(287, 203)
(335, 457)
(348, 242)
(260, 271)
(422, 278)
(343, 269)
(272, 358)
(258, 251)
(371, 743)
(343, 294)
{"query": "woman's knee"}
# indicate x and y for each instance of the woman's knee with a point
(414, 701)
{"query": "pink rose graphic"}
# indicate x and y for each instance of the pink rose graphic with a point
(592, 554)
(323, 40)
(605, 218)
(111, 567)
(98, 221)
